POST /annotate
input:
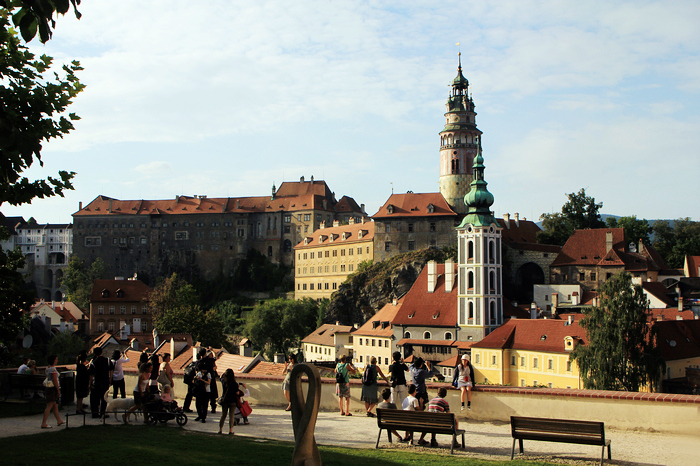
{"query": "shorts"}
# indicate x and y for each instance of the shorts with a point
(342, 390)
(51, 394)
(422, 396)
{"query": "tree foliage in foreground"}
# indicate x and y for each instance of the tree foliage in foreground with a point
(579, 212)
(621, 352)
(78, 280)
(280, 324)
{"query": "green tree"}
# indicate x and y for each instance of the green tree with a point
(230, 314)
(677, 241)
(635, 229)
(78, 279)
(280, 324)
(206, 327)
(171, 293)
(621, 352)
(33, 99)
(66, 346)
(579, 212)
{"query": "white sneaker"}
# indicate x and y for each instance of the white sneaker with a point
(469, 408)
(462, 408)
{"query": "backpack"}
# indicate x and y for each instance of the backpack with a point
(369, 377)
(340, 374)
(188, 377)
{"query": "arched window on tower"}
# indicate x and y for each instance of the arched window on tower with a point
(492, 313)
(471, 313)
(492, 254)
(470, 250)
(492, 281)
(470, 280)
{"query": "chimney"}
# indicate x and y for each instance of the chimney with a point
(608, 241)
(301, 180)
(555, 302)
(156, 339)
(80, 205)
(312, 178)
(575, 298)
(322, 225)
(351, 221)
(172, 347)
(432, 276)
(506, 220)
(110, 206)
(336, 223)
(680, 303)
(660, 318)
(570, 320)
(337, 322)
(516, 217)
(533, 311)
(362, 208)
(279, 357)
(194, 354)
(449, 275)
(679, 317)
(394, 302)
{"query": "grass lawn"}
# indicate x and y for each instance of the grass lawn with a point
(169, 445)
(22, 409)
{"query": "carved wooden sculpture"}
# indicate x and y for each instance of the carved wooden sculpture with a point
(304, 414)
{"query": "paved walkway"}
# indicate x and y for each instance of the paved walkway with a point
(484, 440)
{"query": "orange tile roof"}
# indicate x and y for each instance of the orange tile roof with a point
(524, 231)
(527, 334)
(437, 309)
(267, 368)
(414, 205)
(669, 313)
(450, 362)
(386, 314)
(678, 339)
(322, 236)
(66, 310)
(235, 362)
(659, 291)
(418, 341)
(134, 290)
(324, 334)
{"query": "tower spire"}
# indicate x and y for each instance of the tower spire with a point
(478, 200)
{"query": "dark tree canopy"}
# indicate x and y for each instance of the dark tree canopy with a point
(621, 352)
(635, 229)
(78, 279)
(677, 241)
(579, 212)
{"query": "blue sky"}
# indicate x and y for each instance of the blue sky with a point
(227, 98)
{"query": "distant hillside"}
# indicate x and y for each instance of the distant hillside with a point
(364, 293)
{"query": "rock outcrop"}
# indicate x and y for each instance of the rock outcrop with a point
(365, 292)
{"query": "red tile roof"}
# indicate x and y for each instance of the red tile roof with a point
(437, 309)
(660, 292)
(267, 368)
(524, 231)
(322, 236)
(324, 335)
(589, 247)
(670, 313)
(66, 310)
(386, 314)
(414, 205)
(678, 339)
(134, 291)
(416, 341)
(533, 335)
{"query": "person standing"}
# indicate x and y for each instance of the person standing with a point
(230, 396)
(419, 371)
(82, 381)
(155, 370)
(202, 391)
(288, 366)
(341, 388)
(166, 373)
(100, 371)
(369, 385)
(52, 394)
(398, 379)
(464, 380)
(140, 392)
(118, 384)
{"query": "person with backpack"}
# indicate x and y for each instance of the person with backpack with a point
(202, 393)
(342, 377)
(100, 372)
(188, 378)
(398, 379)
(464, 380)
(369, 385)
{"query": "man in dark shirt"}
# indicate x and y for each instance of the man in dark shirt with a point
(100, 372)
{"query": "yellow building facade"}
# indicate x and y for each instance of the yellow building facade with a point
(526, 353)
(325, 258)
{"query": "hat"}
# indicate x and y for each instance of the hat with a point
(465, 357)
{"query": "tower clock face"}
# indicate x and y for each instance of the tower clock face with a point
(455, 118)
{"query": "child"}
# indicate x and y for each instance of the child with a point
(238, 415)
(410, 403)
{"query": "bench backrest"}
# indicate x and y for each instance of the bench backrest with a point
(416, 420)
(24, 380)
(533, 428)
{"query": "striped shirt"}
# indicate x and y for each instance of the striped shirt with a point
(439, 405)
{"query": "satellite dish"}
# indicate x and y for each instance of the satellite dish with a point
(27, 341)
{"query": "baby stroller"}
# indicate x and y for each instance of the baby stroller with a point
(156, 411)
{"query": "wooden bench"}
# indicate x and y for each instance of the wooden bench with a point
(559, 430)
(418, 421)
(22, 381)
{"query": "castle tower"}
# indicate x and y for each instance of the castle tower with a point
(459, 143)
(480, 262)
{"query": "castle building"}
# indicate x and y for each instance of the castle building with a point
(200, 235)
(480, 286)
(326, 257)
(118, 305)
(460, 141)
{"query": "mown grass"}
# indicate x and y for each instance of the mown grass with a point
(22, 409)
(169, 445)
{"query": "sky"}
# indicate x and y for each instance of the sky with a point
(225, 99)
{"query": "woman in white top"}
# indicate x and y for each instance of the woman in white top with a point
(52, 393)
(118, 374)
(165, 377)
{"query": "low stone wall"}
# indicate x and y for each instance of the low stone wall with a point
(678, 414)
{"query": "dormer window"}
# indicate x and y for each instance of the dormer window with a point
(345, 235)
(105, 293)
(431, 208)
(390, 209)
(306, 241)
(322, 238)
(120, 293)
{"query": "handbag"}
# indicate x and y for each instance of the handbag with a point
(163, 379)
(48, 383)
(245, 409)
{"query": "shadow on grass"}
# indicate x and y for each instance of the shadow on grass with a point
(170, 445)
(22, 409)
